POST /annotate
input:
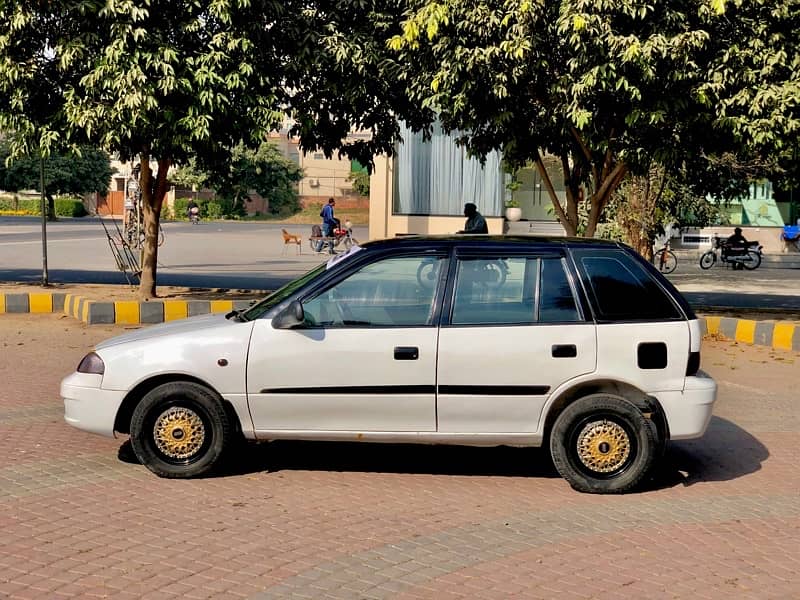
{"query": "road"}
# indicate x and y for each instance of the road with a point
(250, 255)
(310, 520)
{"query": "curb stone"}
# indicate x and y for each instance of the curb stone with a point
(780, 335)
(121, 312)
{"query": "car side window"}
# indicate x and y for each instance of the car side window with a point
(556, 299)
(623, 290)
(515, 290)
(391, 292)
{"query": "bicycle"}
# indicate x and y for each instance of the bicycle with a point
(665, 260)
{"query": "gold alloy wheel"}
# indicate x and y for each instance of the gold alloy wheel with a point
(179, 433)
(603, 446)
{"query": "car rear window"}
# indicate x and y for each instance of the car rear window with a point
(622, 289)
(513, 290)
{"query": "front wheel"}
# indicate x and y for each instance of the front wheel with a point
(753, 260)
(180, 430)
(603, 444)
(707, 260)
(666, 261)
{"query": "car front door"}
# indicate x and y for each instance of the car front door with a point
(363, 361)
(515, 333)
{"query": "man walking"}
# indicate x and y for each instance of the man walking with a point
(329, 222)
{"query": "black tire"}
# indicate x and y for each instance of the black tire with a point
(603, 444)
(497, 273)
(707, 260)
(180, 430)
(666, 261)
(427, 273)
(754, 262)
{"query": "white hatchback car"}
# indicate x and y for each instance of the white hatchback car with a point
(576, 344)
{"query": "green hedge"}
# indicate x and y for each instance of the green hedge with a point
(70, 208)
(65, 207)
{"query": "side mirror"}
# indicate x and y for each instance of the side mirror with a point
(290, 317)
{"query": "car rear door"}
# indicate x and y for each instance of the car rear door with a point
(514, 332)
(643, 335)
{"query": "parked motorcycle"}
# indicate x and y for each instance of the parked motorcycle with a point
(342, 235)
(749, 255)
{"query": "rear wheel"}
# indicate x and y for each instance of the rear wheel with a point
(666, 261)
(754, 260)
(707, 260)
(180, 430)
(603, 444)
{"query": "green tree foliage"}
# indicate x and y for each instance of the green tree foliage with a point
(161, 81)
(644, 205)
(263, 170)
(608, 87)
(360, 181)
(169, 81)
(82, 172)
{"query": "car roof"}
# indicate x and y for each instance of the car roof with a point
(487, 242)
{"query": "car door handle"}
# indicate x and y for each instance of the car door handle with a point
(564, 351)
(406, 353)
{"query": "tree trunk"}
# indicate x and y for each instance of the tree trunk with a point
(152, 199)
(569, 227)
(51, 207)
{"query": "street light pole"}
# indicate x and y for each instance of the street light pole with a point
(45, 282)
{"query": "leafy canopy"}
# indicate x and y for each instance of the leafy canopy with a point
(84, 172)
(608, 86)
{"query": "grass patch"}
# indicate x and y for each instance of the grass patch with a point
(310, 216)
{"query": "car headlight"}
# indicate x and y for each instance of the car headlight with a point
(92, 363)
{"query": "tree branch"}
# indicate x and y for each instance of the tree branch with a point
(586, 153)
(570, 229)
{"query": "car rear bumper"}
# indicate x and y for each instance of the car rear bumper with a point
(689, 412)
(88, 407)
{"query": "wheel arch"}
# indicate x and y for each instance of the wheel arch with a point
(647, 404)
(122, 422)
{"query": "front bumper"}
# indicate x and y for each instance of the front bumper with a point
(87, 406)
(689, 412)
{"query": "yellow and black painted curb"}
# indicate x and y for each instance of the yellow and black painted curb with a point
(781, 335)
(125, 312)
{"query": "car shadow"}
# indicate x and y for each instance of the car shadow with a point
(725, 452)
(391, 458)
(284, 455)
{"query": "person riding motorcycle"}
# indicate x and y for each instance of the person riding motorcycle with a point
(736, 246)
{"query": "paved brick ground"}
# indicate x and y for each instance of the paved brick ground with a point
(79, 519)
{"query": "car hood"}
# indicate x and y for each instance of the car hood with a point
(192, 324)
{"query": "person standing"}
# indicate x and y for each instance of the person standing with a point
(475, 222)
(329, 222)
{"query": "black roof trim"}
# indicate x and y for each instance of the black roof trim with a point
(487, 241)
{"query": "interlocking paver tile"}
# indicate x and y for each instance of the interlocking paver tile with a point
(349, 521)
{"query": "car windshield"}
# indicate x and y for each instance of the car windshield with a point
(255, 311)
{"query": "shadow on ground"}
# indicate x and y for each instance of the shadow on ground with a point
(726, 452)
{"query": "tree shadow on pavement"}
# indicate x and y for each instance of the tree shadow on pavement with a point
(725, 452)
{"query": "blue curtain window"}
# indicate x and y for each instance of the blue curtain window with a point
(438, 177)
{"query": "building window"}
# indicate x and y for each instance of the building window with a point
(436, 177)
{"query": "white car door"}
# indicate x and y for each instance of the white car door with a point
(364, 359)
(515, 333)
